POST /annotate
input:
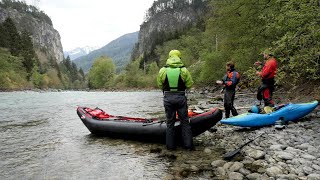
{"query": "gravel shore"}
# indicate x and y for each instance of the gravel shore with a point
(289, 153)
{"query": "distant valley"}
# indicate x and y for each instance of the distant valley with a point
(119, 50)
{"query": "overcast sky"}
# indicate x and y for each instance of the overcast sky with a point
(93, 22)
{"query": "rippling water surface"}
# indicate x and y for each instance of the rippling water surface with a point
(42, 137)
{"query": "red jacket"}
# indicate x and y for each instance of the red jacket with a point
(269, 69)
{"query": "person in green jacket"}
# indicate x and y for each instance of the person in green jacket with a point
(174, 79)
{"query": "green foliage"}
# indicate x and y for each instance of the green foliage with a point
(299, 39)
(134, 75)
(11, 75)
(151, 76)
(102, 73)
(213, 68)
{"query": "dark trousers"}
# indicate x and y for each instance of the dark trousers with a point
(177, 103)
(229, 95)
(265, 93)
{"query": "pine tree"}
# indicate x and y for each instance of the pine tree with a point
(27, 51)
(13, 37)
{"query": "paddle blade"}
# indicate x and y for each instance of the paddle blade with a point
(231, 154)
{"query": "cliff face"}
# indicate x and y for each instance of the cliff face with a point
(45, 38)
(165, 19)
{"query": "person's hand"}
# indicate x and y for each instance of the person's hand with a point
(258, 73)
(219, 82)
(258, 63)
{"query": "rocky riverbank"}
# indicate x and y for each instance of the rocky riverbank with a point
(290, 153)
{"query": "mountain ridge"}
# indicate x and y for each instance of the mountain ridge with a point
(79, 51)
(119, 50)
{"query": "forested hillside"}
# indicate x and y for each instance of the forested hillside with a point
(22, 66)
(240, 30)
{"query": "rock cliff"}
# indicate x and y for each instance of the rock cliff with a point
(165, 19)
(45, 38)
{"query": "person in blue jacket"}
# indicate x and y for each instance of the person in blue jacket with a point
(230, 82)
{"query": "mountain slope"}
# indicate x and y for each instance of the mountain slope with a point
(45, 38)
(119, 50)
(78, 52)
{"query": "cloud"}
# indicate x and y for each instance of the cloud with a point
(95, 22)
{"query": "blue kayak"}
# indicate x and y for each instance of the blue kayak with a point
(289, 112)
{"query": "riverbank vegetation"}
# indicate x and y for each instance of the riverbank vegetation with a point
(230, 31)
(20, 67)
(239, 31)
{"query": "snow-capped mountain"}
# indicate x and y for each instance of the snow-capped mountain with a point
(78, 52)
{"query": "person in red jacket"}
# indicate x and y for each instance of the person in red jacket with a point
(267, 75)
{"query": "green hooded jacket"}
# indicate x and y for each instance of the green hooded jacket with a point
(175, 62)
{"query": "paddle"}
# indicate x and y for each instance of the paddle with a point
(147, 124)
(231, 154)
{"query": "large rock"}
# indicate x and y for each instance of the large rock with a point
(162, 20)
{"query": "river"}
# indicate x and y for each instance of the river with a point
(42, 137)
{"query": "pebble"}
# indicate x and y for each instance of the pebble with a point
(314, 177)
(218, 163)
(256, 154)
(284, 155)
(273, 171)
(235, 176)
(236, 166)
(254, 176)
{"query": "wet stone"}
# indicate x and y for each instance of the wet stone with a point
(220, 171)
(207, 150)
(285, 155)
(244, 171)
(314, 177)
(287, 177)
(308, 170)
(273, 171)
(227, 165)
(254, 176)
(316, 167)
(235, 176)
(256, 154)
(308, 156)
(278, 147)
(303, 146)
(236, 167)
(218, 163)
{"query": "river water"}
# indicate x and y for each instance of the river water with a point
(42, 137)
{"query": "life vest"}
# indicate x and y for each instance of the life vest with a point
(173, 81)
(232, 79)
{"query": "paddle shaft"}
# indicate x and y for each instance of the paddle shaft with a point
(231, 154)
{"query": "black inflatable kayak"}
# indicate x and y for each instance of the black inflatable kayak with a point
(100, 123)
